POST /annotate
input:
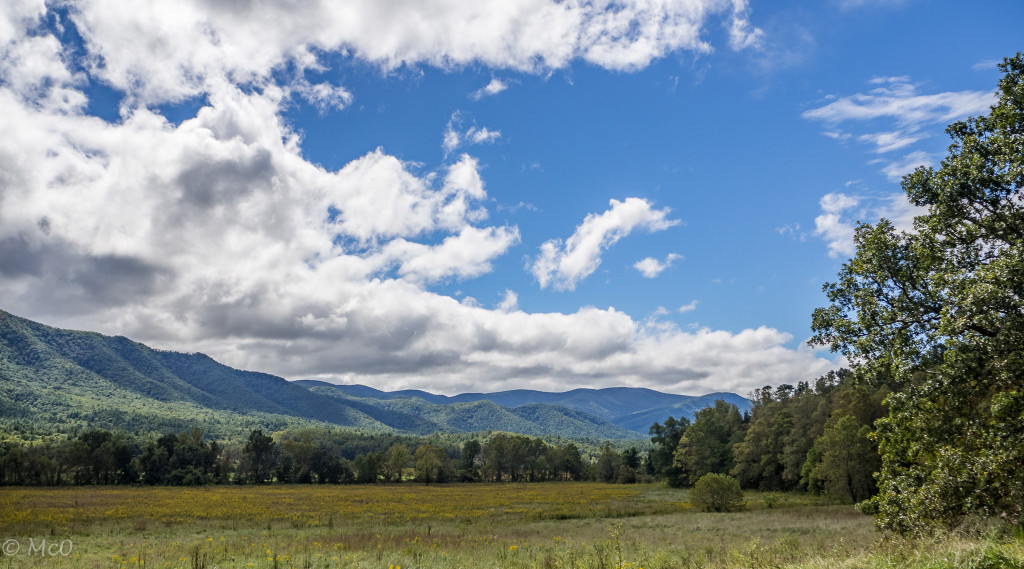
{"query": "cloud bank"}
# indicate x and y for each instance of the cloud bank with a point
(215, 234)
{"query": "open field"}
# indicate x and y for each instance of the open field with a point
(549, 525)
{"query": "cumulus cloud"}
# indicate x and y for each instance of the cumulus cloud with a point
(493, 88)
(690, 307)
(510, 302)
(215, 234)
(836, 227)
(831, 225)
(651, 267)
(173, 51)
(564, 264)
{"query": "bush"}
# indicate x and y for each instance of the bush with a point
(717, 493)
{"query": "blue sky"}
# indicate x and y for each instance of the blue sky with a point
(471, 196)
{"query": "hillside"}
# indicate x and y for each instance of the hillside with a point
(59, 380)
(483, 414)
(54, 380)
(631, 408)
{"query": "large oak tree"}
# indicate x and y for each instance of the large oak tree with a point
(938, 313)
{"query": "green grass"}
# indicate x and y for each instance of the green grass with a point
(512, 526)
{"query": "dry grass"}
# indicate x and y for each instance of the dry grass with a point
(556, 525)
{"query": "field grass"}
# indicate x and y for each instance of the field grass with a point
(555, 525)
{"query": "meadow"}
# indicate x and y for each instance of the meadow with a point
(544, 525)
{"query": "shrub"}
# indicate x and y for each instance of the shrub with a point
(717, 493)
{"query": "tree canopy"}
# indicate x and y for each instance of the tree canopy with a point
(937, 312)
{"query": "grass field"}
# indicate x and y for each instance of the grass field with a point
(554, 525)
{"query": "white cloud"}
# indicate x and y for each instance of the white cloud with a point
(688, 307)
(986, 65)
(651, 267)
(898, 209)
(493, 88)
(742, 35)
(453, 137)
(217, 235)
(564, 264)
(903, 79)
(912, 115)
(897, 169)
(462, 256)
(831, 226)
(324, 96)
(889, 141)
(792, 229)
(172, 51)
(510, 302)
(837, 229)
(901, 102)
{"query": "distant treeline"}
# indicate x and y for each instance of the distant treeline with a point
(310, 456)
(808, 437)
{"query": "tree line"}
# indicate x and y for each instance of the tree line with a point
(812, 437)
(931, 320)
(309, 456)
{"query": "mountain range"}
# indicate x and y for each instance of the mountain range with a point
(55, 380)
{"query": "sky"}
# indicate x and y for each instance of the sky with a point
(470, 195)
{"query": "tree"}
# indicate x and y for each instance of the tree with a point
(609, 463)
(938, 314)
(430, 464)
(717, 493)
(666, 439)
(706, 446)
(367, 467)
(847, 460)
(262, 454)
(468, 459)
(395, 461)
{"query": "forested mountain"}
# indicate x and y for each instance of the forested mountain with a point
(54, 380)
(634, 409)
(484, 414)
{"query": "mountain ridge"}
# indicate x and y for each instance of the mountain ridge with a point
(68, 379)
(632, 408)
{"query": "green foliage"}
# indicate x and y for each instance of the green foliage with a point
(848, 460)
(396, 460)
(707, 445)
(662, 456)
(261, 456)
(717, 493)
(938, 313)
(432, 464)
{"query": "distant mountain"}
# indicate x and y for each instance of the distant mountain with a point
(54, 380)
(481, 414)
(631, 408)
